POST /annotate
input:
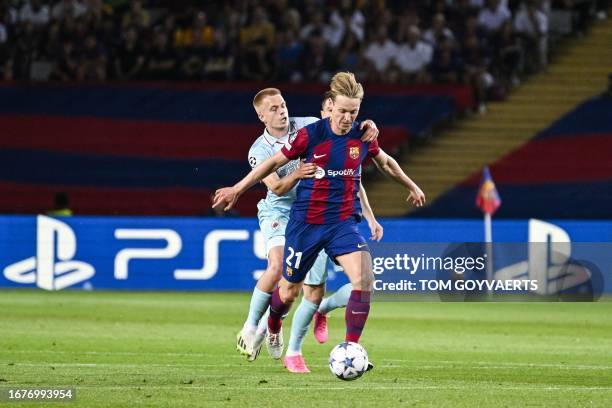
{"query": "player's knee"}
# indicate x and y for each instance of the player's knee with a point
(288, 293)
(275, 269)
(314, 293)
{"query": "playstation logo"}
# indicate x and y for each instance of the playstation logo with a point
(53, 267)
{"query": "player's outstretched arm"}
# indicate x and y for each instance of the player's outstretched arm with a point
(388, 165)
(229, 195)
(375, 228)
(280, 186)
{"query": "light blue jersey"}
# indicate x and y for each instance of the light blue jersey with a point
(266, 146)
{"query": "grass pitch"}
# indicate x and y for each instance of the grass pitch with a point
(177, 349)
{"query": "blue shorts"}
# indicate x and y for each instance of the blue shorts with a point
(303, 242)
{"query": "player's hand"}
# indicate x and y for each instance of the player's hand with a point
(416, 196)
(306, 170)
(371, 133)
(376, 230)
(226, 196)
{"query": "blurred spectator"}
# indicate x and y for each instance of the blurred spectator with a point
(3, 33)
(493, 16)
(129, 59)
(379, 54)
(413, 58)
(446, 66)
(508, 56)
(61, 206)
(25, 50)
(92, 65)
(257, 42)
(318, 62)
(438, 31)
(476, 60)
(72, 8)
(532, 26)
(137, 16)
(288, 57)
(349, 54)
(199, 35)
(161, 59)
(340, 22)
(220, 63)
(66, 65)
(316, 23)
(35, 12)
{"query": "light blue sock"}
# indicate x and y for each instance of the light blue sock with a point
(260, 301)
(299, 326)
(337, 300)
(263, 322)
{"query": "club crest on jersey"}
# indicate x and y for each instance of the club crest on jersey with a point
(289, 271)
(354, 152)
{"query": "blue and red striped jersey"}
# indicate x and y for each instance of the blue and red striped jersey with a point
(332, 195)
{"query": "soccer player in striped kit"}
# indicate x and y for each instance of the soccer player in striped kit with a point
(326, 211)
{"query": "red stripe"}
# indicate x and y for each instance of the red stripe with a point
(18, 198)
(320, 192)
(128, 137)
(559, 159)
(348, 200)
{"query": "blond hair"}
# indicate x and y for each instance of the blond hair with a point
(259, 97)
(345, 84)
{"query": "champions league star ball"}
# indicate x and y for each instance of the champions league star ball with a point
(348, 361)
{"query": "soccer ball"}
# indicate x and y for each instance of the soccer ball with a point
(348, 361)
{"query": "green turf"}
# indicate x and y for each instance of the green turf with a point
(177, 349)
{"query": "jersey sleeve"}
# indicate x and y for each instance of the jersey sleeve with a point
(257, 155)
(298, 147)
(373, 148)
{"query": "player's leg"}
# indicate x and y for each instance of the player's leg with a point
(314, 289)
(349, 248)
(251, 337)
(302, 247)
(335, 301)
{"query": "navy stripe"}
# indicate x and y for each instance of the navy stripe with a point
(413, 112)
(38, 167)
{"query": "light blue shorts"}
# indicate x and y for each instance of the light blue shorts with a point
(273, 223)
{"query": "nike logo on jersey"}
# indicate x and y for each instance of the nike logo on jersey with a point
(354, 312)
(318, 156)
(361, 245)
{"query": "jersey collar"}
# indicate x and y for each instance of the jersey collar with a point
(271, 140)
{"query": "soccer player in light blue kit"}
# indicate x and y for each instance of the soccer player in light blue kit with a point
(273, 215)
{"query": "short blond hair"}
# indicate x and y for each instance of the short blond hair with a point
(259, 97)
(345, 84)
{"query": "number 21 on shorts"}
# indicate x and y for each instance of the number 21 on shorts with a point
(298, 258)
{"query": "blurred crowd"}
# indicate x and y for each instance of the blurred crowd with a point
(485, 43)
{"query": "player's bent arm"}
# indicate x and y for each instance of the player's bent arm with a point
(368, 214)
(228, 196)
(375, 228)
(389, 166)
(280, 186)
(256, 175)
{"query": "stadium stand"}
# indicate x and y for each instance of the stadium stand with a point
(564, 172)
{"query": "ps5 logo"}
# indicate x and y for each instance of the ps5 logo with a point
(53, 267)
(549, 261)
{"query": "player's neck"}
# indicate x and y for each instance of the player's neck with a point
(277, 133)
(336, 130)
